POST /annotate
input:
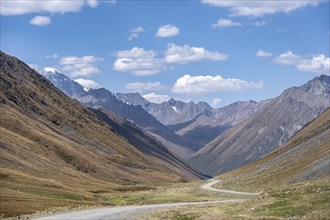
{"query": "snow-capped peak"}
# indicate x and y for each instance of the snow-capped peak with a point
(175, 109)
(50, 70)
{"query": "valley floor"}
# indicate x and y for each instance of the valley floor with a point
(305, 200)
(129, 212)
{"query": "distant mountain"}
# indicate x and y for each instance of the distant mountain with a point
(56, 152)
(212, 122)
(103, 98)
(199, 122)
(170, 112)
(267, 129)
(61, 81)
(146, 143)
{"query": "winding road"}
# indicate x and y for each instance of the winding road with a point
(128, 212)
(208, 186)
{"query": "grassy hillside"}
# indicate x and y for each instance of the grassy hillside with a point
(56, 152)
(292, 182)
(304, 157)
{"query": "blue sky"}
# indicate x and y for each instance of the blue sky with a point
(214, 51)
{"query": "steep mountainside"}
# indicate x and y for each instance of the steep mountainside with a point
(266, 130)
(304, 157)
(212, 122)
(170, 112)
(103, 98)
(146, 143)
(54, 150)
(61, 81)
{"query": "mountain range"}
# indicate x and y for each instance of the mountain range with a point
(265, 130)
(101, 97)
(225, 138)
(182, 127)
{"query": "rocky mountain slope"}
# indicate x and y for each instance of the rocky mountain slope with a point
(212, 122)
(267, 129)
(303, 157)
(146, 143)
(54, 151)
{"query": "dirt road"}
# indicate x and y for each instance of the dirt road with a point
(128, 212)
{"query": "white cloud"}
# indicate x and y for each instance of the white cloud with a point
(145, 87)
(261, 53)
(167, 31)
(195, 85)
(260, 23)
(225, 23)
(134, 33)
(152, 97)
(92, 3)
(40, 20)
(37, 6)
(80, 66)
(138, 61)
(185, 54)
(54, 56)
(317, 64)
(35, 67)
(143, 62)
(88, 84)
(216, 102)
(259, 8)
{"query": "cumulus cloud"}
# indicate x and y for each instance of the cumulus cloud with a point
(260, 8)
(195, 85)
(261, 53)
(88, 84)
(317, 64)
(40, 20)
(37, 6)
(138, 61)
(216, 102)
(144, 86)
(167, 31)
(135, 32)
(186, 54)
(152, 97)
(225, 23)
(143, 62)
(84, 66)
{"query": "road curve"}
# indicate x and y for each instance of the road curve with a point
(208, 186)
(128, 212)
